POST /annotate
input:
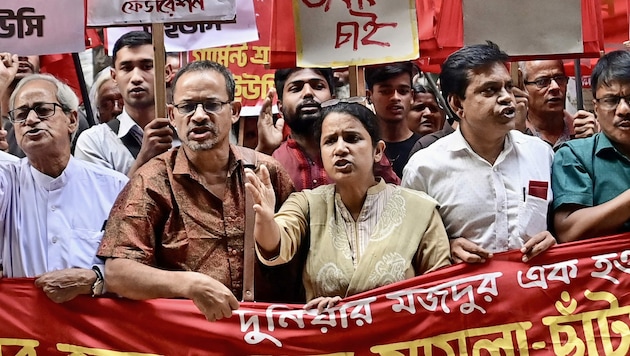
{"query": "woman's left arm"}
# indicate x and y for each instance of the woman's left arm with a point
(434, 250)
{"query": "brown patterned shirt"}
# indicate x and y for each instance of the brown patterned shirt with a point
(167, 219)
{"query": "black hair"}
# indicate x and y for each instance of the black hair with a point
(281, 76)
(379, 74)
(419, 88)
(612, 67)
(205, 65)
(132, 39)
(360, 112)
(455, 75)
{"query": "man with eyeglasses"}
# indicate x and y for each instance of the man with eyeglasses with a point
(301, 93)
(135, 136)
(177, 230)
(546, 83)
(52, 206)
(591, 177)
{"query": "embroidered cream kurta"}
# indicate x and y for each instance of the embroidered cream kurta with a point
(398, 235)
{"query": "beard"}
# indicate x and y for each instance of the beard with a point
(207, 144)
(302, 123)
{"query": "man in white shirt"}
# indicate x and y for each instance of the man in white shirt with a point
(492, 182)
(135, 136)
(52, 206)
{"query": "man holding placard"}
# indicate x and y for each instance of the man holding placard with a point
(135, 136)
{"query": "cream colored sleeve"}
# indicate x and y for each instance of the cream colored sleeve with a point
(434, 250)
(293, 222)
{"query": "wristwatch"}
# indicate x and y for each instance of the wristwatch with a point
(99, 283)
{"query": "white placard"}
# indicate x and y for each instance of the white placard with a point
(36, 27)
(334, 33)
(188, 37)
(118, 12)
(531, 27)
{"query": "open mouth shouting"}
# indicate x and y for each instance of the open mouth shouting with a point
(342, 165)
(508, 112)
(200, 133)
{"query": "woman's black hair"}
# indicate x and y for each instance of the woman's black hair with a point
(360, 112)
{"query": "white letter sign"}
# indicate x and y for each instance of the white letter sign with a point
(128, 12)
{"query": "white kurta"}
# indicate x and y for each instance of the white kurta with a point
(50, 223)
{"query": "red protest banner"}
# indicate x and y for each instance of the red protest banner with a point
(573, 300)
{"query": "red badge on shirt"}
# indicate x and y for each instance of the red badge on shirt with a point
(538, 188)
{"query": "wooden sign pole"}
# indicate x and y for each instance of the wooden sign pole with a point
(159, 61)
(357, 80)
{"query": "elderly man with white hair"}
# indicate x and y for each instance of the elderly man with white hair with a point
(52, 206)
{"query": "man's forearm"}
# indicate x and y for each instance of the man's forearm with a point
(134, 280)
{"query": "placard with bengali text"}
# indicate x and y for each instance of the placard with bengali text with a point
(32, 27)
(342, 33)
(102, 13)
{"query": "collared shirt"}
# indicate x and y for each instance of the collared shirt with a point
(307, 173)
(100, 145)
(50, 223)
(7, 157)
(566, 132)
(489, 204)
(167, 218)
(589, 172)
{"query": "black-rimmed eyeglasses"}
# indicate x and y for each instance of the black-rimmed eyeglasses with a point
(210, 106)
(42, 110)
(544, 82)
(610, 102)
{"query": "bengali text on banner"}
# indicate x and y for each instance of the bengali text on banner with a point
(572, 300)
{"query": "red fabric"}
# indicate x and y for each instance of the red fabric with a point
(441, 31)
(62, 67)
(574, 297)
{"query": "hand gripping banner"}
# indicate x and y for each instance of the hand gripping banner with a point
(572, 300)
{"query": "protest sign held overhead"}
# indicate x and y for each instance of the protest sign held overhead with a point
(342, 33)
(180, 37)
(120, 12)
(556, 26)
(30, 27)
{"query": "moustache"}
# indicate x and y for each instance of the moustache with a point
(309, 103)
(209, 125)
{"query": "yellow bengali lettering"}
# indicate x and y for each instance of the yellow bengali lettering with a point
(88, 351)
(261, 55)
(224, 55)
(253, 86)
(28, 346)
(502, 345)
(574, 345)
